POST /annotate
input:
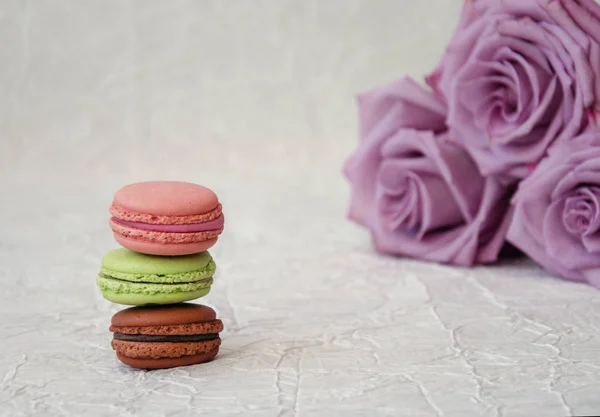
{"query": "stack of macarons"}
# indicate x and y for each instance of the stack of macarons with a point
(165, 228)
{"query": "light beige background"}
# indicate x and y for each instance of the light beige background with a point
(94, 85)
(253, 98)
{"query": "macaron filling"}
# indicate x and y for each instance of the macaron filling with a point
(124, 213)
(214, 224)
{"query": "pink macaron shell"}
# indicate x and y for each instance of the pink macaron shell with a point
(164, 249)
(166, 198)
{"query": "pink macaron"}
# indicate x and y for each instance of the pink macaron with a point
(166, 218)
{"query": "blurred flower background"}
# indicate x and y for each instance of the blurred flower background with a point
(520, 79)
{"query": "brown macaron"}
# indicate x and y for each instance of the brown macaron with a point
(161, 337)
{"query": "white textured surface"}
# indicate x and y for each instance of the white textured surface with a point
(253, 98)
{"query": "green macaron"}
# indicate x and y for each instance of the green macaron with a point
(133, 278)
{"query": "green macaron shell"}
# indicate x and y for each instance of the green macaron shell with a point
(156, 299)
(139, 294)
(206, 272)
(132, 266)
(132, 278)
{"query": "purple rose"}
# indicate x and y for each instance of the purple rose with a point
(557, 211)
(518, 76)
(419, 194)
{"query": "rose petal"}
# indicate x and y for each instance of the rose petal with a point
(383, 111)
(525, 237)
(413, 107)
(561, 245)
(461, 174)
(577, 215)
(401, 210)
(439, 207)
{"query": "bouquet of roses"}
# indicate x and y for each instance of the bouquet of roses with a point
(504, 147)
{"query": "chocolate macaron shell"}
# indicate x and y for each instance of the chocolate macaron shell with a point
(178, 314)
(165, 363)
(157, 350)
(215, 326)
